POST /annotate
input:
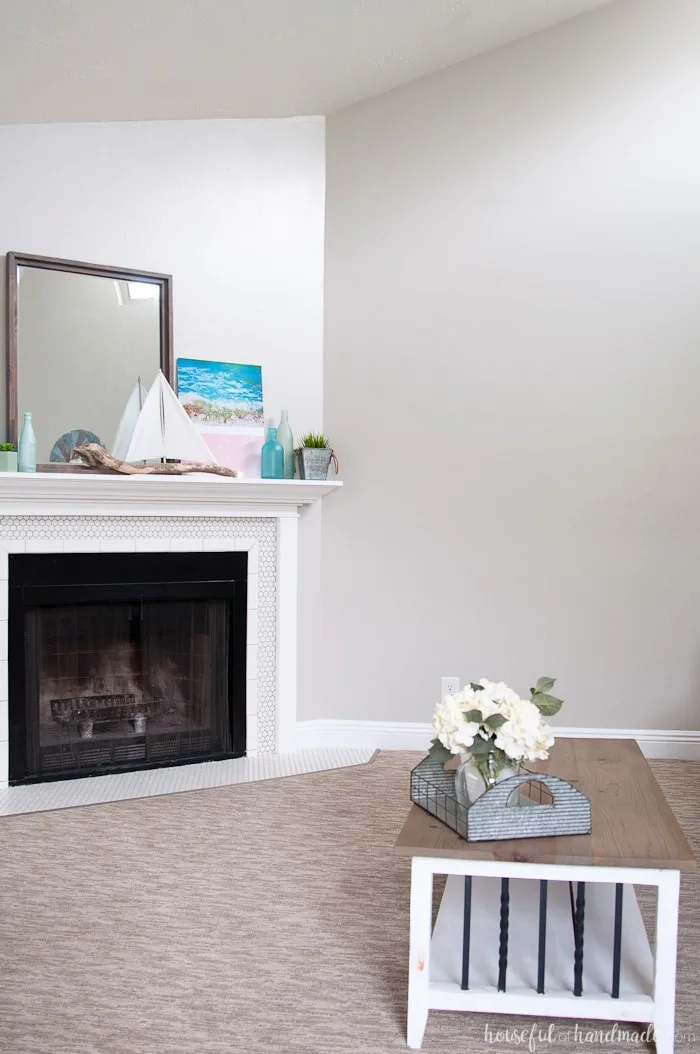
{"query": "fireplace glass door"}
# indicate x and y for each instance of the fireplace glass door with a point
(143, 676)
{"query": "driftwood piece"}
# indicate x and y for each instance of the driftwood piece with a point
(96, 456)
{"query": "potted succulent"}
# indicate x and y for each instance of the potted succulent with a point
(8, 457)
(314, 456)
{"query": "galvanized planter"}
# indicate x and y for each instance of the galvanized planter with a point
(314, 462)
(557, 807)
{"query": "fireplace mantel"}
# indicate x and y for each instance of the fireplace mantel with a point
(91, 512)
(97, 494)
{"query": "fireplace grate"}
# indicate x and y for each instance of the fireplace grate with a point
(88, 755)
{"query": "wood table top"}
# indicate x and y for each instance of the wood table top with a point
(632, 824)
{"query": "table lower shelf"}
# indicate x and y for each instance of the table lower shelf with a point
(521, 997)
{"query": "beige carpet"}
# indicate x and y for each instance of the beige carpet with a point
(269, 917)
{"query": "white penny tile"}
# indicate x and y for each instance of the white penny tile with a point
(67, 794)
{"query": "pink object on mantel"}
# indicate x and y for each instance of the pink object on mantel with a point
(239, 451)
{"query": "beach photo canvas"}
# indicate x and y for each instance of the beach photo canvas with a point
(224, 400)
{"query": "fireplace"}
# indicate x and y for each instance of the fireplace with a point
(121, 661)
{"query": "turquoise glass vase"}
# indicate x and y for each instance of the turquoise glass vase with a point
(272, 455)
(286, 441)
(26, 461)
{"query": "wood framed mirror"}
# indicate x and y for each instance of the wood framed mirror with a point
(79, 338)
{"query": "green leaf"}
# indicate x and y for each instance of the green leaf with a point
(438, 752)
(476, 687)
(474, 715)
(545, 684)
(495, 721)
(481, 748)
(548, 705)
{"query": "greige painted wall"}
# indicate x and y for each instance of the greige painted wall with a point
(512, 377)
(234, 211)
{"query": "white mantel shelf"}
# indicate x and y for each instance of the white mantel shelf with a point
(92, 493)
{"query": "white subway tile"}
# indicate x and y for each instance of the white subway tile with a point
(117, 545)
(252, 626)
(3, 604)
(251, 733)
(4, 763)
(3, 565)
(14, 545)
(3, 680)
(251, 668)
(152, 545)
(251, 696)
(253, 559)
(186, 545)
(242, 545)
(3, 641)
(82, 545)
(252, 591)
(217, 545)
(44, 545)
(4, 722)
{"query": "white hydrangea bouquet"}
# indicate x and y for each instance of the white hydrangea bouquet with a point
(493, 731)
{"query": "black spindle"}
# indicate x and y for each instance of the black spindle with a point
(466, 931)
(543, 936)
(503, 941)
(578, 937)
(617, 941)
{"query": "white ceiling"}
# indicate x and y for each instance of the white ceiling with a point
(109, 60)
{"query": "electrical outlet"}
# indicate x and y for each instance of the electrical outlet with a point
(449, 686)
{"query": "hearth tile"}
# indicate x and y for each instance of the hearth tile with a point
(125, 786)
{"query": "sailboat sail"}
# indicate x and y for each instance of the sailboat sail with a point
(164, 430)
(128, 420)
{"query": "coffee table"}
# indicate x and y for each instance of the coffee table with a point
(551, 926)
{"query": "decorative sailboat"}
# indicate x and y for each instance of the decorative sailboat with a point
(164, 431)
(128, 420)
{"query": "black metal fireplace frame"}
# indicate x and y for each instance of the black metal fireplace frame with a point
(72, 578)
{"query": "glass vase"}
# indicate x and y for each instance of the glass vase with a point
(470, 784)
(286, 441)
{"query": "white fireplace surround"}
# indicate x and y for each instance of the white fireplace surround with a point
(70, 513)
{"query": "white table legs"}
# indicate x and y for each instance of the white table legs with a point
(647, 993)
(665, 961)
(419, 955)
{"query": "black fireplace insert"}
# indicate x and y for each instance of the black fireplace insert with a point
(121, 661)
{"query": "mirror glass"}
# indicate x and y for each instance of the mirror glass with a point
(83, 342)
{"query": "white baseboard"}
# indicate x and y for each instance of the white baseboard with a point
(409, 735)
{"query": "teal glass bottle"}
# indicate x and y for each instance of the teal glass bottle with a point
(272, 466)
(286, 441)
(26, 460)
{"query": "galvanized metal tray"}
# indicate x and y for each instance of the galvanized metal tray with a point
(556, 807)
